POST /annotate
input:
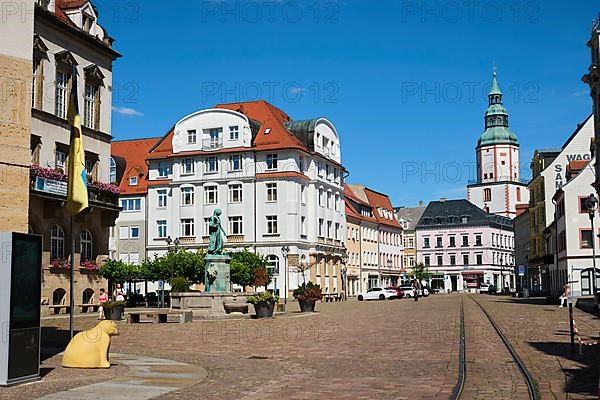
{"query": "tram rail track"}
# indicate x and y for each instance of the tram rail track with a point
(457, 391)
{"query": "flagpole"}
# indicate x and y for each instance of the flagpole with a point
(72, 280)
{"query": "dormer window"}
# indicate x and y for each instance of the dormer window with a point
(133, 181)
(87, 22)
(191, 136)
(234, 132)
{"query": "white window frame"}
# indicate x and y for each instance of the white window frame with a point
(188, 166)
(161, 228)
(131, 228)
(164, 169)
(60, 159)
(89, 105)
(133, 181)
(236, 188)
(187, 226)
(271, 188)
(187, 196)
(236, 225)
(272, 161)
(234, 132)
(208, 190)
(57, 242)
(232, 163)
(61, 95)
(162, 198)
(272, 225)
(208, 169)
(192, 136)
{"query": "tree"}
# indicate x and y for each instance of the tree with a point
(303, 267)
(182, 263)
(421, 273)
(244, 265)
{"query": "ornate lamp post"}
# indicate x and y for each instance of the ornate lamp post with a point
(285, 250)
(344, 272)
(591, 204)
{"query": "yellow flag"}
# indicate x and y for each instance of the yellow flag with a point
(77, 194)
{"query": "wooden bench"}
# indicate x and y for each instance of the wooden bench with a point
(158, 316)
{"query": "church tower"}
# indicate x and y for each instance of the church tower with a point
(498, 188)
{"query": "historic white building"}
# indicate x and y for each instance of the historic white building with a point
(498, 188)
(278, 182)
(574, 232)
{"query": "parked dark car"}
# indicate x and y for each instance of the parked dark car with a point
(492, 290)
(399, 292)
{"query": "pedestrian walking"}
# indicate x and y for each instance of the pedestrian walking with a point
(102, 298)
(564, 297)
(416, 290)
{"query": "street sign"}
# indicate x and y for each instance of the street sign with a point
(161, 285)
(521, 270)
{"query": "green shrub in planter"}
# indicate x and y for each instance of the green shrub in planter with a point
(264, 304)
(180, 284)
(264, 297)
(308, 291)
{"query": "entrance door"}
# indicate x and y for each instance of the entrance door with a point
(586, 281)
(454, 280)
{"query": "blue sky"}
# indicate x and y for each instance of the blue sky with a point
(404, 82)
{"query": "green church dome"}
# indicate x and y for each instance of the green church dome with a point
(496, 120)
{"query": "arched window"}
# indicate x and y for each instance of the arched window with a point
(86, 247)
(518, 194)
(273, 264)
(112, 171)
(87, 296)
(57, 242)
(58, 297)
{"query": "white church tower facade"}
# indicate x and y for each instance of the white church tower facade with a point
(498, 187)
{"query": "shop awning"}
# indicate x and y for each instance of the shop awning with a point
(473, 273)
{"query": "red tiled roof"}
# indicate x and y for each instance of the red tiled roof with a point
(350, 210)
(134, 152)
(69, 4)
(269, 117)
(380, 200)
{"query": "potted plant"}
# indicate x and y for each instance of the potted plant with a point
(264, 304)
(307, 296)
(114, 310)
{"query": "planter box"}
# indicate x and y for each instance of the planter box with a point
(264, 309)
(115, 313)
(307, 305)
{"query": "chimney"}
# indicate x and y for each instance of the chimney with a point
(421, 204)
(443, 200)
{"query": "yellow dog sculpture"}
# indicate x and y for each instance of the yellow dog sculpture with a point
(89, 349)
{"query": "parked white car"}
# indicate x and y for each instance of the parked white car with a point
(425, 292)
(409, 291)
(377, 294)
(485, 288)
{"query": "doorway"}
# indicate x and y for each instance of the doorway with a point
(454, 280)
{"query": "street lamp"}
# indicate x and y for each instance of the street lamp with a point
(591, 204)
(500, 260)
(285, 250)
(344, 271)
(389, 263)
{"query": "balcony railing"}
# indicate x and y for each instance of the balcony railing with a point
(236, 238)
(52, 182)
(212, 143)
